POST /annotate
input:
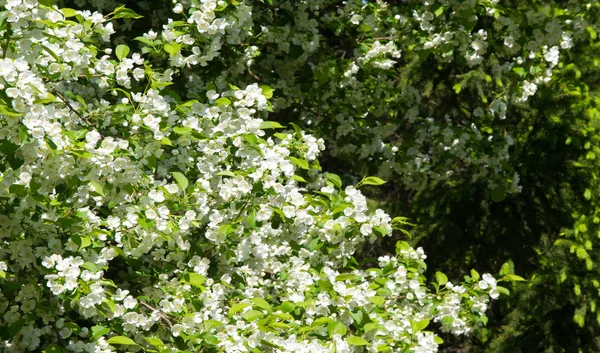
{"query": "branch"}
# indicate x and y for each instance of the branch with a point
(66, 102)
(162, 316)
(253, 75)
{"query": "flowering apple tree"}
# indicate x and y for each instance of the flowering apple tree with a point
(133, 219)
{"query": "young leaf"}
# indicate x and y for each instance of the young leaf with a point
(288, 307)
(122, 51)
(334, 179)
(121, 340)
(356, 341)
(236, 308)
(513, 278)
(441, 278)
(261, 303)
(123, 12)
(299, 162)
(267, 91)
(372, 181)
(156, 342)
(270, 125)
(172, 48)
(67, 12)
(194, 279)
(252, 315)
(336, 328)
(96, 187)
(181, 180)
(98, 331)
(418, 326)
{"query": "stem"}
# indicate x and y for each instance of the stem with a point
(5, 49)
(66, 102)
(159, 313)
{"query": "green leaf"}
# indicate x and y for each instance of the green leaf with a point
(144, 40)
(502, 290)
(211, 340)
(122, 51)
(372, 326)
(299, 178)
(299, 162)
(252, 315)
(270, 125)
(81, 242)
(418, 326)
(345, 277)
(325, 284)
(475, 275)
(67, 12)
(236, 308)
(90, 266)
(357, 316)
(261, 303)
(372, 181)
(267, 91)
(156, 342)
(223, 101)
(19, 190)
(377, 300)
(51, 52)
(182, 130)
(592, 32)
(165, 141)
(438, 340)
(194, 279)
(172, 48)
(121, 340)
(519, 71)
(270, 344)
(288, 307)
(181, 180)
(513, 278)
(383, 348)
(8, 111)
(74, 326)
(587, 194)
(123, 12)
(334, 179)
(210, 324)
(48, 3)
(507, 268)
(336, 328)
(97, 187)
(321, 321)
(441, 278)
(356, 341)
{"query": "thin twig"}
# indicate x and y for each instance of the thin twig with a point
(162, 316)
(253, 75)
(66, 101)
